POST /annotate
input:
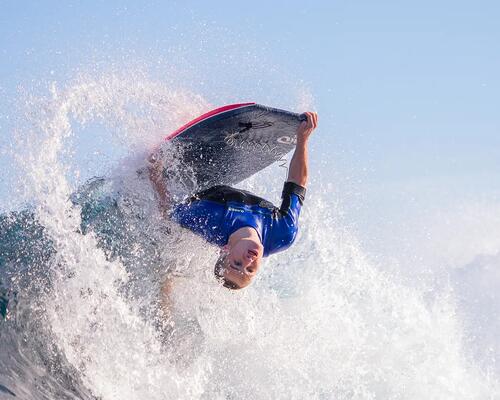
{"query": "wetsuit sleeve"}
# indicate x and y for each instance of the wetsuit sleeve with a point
(290, 189)
(286, 223)
(292, 199)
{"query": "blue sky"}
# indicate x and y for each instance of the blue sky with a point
(406, 91)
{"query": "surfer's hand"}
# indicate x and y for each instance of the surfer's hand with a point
(298, 170)
(155, 168)
(307, 127)
(155, 164)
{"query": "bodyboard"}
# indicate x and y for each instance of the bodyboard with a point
(230, 144)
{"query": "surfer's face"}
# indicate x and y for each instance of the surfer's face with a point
(240, 263)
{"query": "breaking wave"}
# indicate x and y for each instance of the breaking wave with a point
(82, 265)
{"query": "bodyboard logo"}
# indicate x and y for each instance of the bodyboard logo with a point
(287, 140)
(249, 141)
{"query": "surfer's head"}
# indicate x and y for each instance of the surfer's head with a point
(238, 263)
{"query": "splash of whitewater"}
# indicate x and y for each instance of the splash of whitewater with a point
(82, 315)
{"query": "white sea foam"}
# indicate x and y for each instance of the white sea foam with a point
(321, 322)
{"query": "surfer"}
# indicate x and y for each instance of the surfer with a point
(246, 227)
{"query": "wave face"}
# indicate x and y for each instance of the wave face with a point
(82, 316)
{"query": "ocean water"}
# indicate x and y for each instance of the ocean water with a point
(82, 265)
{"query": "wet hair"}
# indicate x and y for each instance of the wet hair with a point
(219, 273)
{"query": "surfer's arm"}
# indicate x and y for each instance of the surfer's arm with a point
(298, 171)
(155, 169)
(166, 295)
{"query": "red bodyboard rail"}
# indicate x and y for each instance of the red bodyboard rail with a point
(205, 116)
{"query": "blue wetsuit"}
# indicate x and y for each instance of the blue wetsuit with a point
(219, 211)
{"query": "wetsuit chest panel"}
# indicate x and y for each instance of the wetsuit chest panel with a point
(240, 215)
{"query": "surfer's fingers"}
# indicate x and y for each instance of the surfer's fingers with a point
(315, 120)
(310, 122)
(156, 157)
(153, 158)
